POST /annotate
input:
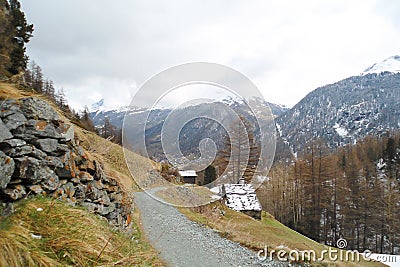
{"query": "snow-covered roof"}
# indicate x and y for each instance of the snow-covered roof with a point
(189, 173)
(239, 197)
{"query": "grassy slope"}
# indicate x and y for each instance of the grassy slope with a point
(191, 196)
(130, 253)
(69, 236)
(113, 158)
(258, 234)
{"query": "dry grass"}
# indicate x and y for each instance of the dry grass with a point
(69, 236)
(10, 91)
(256, 234)
(185, 196)
(132, 169)
(114, 159)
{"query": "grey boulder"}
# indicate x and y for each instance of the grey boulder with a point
(7, 167)
(13, 142)
(16, 192)
(4, 132)
(47, 145)
(21, 151)
(8, 107)
(15, 120)
(35, 108)
(35, 171)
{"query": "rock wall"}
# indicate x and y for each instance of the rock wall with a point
(39, 156)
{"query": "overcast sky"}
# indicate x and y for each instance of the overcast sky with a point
(105, 49)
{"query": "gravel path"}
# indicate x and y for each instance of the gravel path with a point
(182, 242)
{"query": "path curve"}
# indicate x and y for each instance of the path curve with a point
(182, 242)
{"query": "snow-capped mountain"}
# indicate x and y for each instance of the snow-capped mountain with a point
(98, 112)
(193, 132)
(98, 106)
(391, 64)
(116, 116)
(344, 112)
(339, 113)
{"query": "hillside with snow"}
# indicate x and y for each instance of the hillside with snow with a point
(391, 64)
(193, 132)
(346, 111)
(340, 113)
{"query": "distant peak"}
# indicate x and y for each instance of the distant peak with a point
(95, 107)
(391, 64)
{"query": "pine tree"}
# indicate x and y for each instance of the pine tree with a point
(61, 100)
(6, 42)
(49, 89)
(37, 78)
(210, 174)
(108, 130)
(86, 121)
(21, 34)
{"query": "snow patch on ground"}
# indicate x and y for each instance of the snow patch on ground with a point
(278, 127)
(340, 130)
(380, 164)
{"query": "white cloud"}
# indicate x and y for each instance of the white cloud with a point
(115, 92)
(288, 48)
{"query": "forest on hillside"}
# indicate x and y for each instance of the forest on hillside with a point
(351, 193)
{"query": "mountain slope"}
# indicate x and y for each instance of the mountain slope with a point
(343, 112)
(192, 133)
(340, 113)
(116, 116)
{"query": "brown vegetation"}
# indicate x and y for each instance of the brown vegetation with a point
(42, 232)
(352, 193)
(257, 235)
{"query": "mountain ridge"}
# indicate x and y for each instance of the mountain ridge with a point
(343, 112)
(194, 131)
(340, 113)
(390, 64)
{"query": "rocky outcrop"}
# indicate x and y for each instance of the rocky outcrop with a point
(39, 156)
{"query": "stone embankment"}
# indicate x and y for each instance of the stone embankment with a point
(40, 156)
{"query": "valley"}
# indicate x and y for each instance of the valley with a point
(330, 173)
(219, 133)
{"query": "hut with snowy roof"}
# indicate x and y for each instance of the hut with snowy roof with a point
(240, 197)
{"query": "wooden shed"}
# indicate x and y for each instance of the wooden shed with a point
(240, 197)
(189, 176)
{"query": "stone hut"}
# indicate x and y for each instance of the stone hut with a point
(240, 197)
